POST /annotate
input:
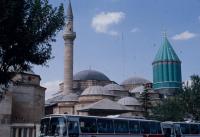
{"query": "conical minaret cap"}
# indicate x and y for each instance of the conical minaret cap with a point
(69, 10)
(166, 52)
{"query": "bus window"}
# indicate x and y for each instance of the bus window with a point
(185, 128)
(105, 126)
(144, 126)
(199, 128)
(121, 126)
(177, 130)
(168, 132)
(134, 127)
(58, 126)
(44, 127)
(158, 127)
(194, 129)
(155, 128)
(73, 128)
(88, 125)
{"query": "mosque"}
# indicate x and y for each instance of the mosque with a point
(90, 92)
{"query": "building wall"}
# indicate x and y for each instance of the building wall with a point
(5, 114)
(28, 99)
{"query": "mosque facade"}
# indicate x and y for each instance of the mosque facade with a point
(90, 92)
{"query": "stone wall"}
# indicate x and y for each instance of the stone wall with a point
(28, 99)
(5, 114)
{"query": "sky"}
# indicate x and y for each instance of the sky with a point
(120, 38)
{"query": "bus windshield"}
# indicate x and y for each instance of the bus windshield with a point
(55, 126)
(44, 126)
(58, 127)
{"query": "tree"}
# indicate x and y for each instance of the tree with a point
(184, 104)
(145, 99)
(27, 29)
(169, 110)
(191, 97)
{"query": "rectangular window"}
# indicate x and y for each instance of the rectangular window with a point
(144, 127)
(199, 128)
(88, 125)
(185, 128)
(155, 128)
(121, 126)
(105, 126)
(134, 127)
(73, 128)
(194, 129)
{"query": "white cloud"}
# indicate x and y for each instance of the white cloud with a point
(52, 88)
(104, 20)
(184, 36)
(135, 30)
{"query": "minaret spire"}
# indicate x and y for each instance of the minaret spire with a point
(69, 10)
(69, 37)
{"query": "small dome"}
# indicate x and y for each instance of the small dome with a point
(72, 97)
(97, 90)
(114, 87)
(139, 89)
(90, 75)
(128, 101)
(53, 100)
(135, 81)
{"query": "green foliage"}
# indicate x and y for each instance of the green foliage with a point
(169, 110)
(27, 29)
(183, 104)
(191, 98)
(146, 103)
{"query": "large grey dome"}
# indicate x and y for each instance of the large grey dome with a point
(129, 101)
(90, 75)
(114, 87)
(135, 81)
(97, 90)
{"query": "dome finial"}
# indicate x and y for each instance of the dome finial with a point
(164, 34)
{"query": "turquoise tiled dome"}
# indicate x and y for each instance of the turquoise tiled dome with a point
(166, 68)
(166, 53)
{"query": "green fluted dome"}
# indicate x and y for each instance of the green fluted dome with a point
(166, 68)
(166, 53)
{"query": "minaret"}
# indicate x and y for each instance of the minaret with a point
(68, 36)
(166, 69)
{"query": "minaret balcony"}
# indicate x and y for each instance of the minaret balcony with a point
(69, 35)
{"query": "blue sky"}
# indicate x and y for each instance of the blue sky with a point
(121, 37)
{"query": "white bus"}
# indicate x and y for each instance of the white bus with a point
(91, 126)
(181, 129)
